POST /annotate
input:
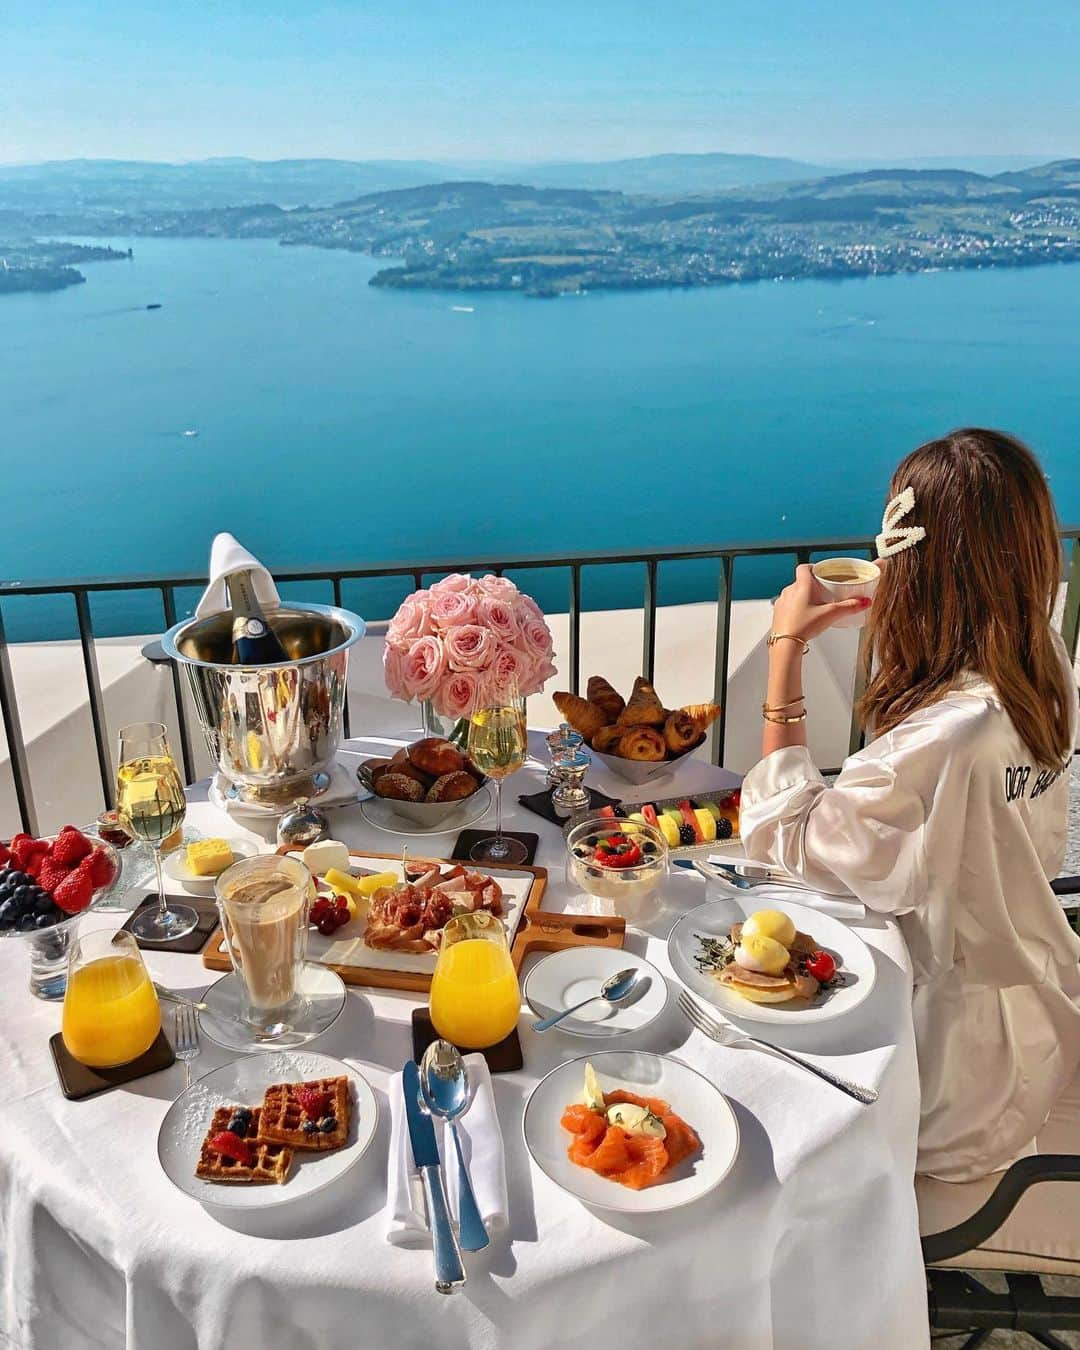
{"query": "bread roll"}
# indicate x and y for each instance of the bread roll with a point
(606, 740)
(582, 715)
(605, 697)
(452, 787)
(435, 757)
(643, 743)
(644, 708)
(376, 768)
(400, 787)
(680, 732)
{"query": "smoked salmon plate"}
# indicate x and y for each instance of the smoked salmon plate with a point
(624, 1137)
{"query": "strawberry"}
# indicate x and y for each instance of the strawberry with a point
(33, 864)
(313, 1101)
(76, 891)
(71, 845)
(51, 874)
(5, 855)
(230, 1145)
(101, 868)
(22, 850)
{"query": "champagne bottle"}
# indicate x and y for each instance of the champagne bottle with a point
(254, 641)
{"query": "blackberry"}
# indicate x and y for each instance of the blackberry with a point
(686, 835)
(620, 812)
(724, 828)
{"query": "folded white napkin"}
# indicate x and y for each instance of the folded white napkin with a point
(482, 1145)
(839, 906)
(228, 555)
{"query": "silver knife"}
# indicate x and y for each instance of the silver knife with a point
(449, 1271)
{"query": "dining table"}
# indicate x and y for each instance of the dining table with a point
(811, 1240)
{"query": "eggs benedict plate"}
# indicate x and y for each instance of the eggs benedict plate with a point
(782, 964)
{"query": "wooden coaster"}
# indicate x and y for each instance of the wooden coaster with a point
(78, 1080)
(505, 1057)
(467, 838)
(194, 941)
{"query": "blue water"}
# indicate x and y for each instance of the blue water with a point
(339, 423)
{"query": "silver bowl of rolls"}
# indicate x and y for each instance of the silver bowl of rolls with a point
(425, 782)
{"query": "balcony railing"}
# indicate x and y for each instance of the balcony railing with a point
(650, 561)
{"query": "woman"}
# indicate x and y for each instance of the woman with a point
(954, 816)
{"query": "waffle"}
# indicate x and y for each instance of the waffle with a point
(282, 1114)
(273, 1161)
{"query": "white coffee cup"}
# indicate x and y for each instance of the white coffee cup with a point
(844, 579)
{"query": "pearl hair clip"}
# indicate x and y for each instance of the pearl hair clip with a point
(894, 537)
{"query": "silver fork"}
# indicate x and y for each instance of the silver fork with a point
(725, 1034)
(186, 1036)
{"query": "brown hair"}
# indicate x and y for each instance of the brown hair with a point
(975, 594)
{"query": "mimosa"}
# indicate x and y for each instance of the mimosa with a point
(111, 1013)
(475, 999)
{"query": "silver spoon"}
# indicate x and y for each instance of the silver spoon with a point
(614, 990)
(444, 1086)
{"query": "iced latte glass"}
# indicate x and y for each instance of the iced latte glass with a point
(264, 904)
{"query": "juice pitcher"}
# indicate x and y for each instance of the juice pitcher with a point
(111, 1013)
(475, 997)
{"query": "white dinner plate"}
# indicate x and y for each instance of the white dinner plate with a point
(691, 1096)
(855, 961)
(242, 1083)
(565, 978)
(380, 812)
(175, 866)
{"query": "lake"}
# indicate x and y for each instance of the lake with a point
(340, 423)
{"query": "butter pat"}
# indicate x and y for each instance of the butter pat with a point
(208, 857)
(327, 853)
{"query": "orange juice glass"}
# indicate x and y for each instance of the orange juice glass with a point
(111, 1012)
(475, 997)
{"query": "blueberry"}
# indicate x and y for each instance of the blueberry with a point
(24, 922)
(328, 1124)
(7, 915)
(238, 1125)
(43, 904)
(44, 921)
(17, 879)
(22, 891)
(648, 849)
(309, 1127)
(724, 828)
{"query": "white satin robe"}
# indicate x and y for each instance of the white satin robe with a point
(947, 823)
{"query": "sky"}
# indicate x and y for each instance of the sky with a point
(537, 79)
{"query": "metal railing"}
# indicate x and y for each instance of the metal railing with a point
(81, 590)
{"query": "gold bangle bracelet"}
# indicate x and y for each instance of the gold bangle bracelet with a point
(784, 721)
(779, 707)
(774, 638)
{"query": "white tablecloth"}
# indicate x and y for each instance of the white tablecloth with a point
(811, 1241)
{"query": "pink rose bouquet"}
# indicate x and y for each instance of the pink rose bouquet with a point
(465, 639)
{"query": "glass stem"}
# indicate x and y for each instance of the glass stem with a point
(163, 908)
(498, 815)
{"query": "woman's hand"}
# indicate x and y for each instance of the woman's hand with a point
(796, 611)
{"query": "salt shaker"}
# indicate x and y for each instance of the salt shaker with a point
(562, 742)
(570, 794)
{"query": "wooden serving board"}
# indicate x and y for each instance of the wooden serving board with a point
(537, 931)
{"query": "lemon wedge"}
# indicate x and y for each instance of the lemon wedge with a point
(593, 1096)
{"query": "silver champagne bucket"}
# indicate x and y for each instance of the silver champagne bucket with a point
(272, 730)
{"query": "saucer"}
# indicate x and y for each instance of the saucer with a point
(321, 997)
(175, 866)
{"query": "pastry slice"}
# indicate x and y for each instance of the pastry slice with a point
(644, 708)
(264, 1162)
(680, 732)
(642, 743)
(582, 715)
(604, 695)
(607, 739)
(703, 714)
(312, 1116)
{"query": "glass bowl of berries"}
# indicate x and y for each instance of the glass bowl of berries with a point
(46, 886)
(623, 861)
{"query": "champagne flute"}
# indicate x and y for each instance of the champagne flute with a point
(497, 746)
(151, 804)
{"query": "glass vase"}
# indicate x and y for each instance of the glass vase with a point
(455, 730)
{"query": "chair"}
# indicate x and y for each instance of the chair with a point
(1023, 1223)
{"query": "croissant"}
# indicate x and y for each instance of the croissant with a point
(605, 696)
(606, 739)
(581, 715)
(644, 708)
(642, 743)
(703, 714)
(680, 732)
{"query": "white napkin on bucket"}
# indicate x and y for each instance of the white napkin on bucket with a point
(228, 555)
(847, 906)
(482, 1145)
